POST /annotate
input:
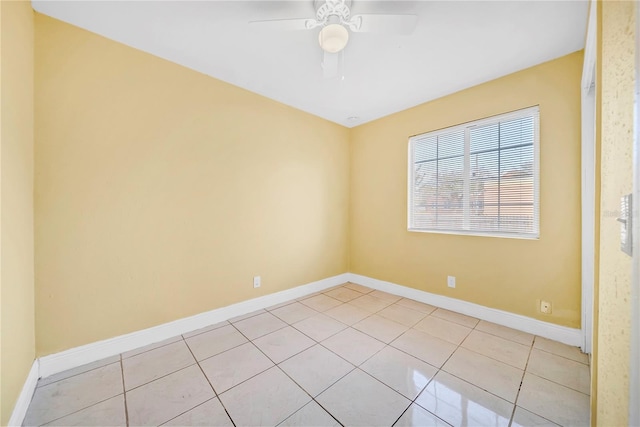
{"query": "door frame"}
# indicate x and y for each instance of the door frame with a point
(588, 180)
(634, 368)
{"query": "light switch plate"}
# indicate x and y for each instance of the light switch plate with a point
(626, 214)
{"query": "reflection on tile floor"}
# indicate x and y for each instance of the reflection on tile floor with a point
(346, 356)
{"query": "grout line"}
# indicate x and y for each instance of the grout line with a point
(275, 365)
(188, 410)
(162, 376)
(320, 343)
(178, 339)
(74, 375)
(79, 410)
(202, 370)
(323, 408)
(194, 334)
(247, 316)
(526, 365)
(216, 395)
(559, 355)
(124, 393)
(557, 383)
(218, 354)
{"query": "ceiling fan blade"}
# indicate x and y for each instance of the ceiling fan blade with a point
(387, 24)
(330, 65)
(286, 24)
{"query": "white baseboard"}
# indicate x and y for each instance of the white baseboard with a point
(92, 352)
(24, 399)
(554, 332)
(78, 356)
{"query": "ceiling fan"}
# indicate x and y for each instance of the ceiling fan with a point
(335, 21)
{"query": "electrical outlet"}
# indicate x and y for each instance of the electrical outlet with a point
(257, 281)
(545, 307)
(451, 281)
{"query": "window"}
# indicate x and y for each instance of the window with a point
(477, 178)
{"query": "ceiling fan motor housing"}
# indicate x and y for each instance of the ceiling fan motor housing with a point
(333, 11)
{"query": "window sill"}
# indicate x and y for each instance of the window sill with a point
(478, 234)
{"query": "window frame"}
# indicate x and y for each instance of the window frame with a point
(525, 112)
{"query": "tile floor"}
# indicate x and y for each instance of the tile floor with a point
(347, 356)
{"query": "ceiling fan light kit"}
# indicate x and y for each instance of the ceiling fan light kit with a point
(336, 23)
(333, 38)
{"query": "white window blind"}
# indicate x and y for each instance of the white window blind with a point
(477, 178)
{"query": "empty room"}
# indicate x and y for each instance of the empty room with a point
(319, 213)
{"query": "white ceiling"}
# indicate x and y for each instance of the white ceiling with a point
(456, 44)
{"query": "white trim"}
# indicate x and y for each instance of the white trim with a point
(588, 180)
(88, 353)
(24, 399)
(634, 365)
(554, 332)
(78, 356)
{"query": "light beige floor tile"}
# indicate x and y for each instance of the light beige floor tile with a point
(310, 295)
(210, 413)
(311, 414)
(401, 314)
(560, 370)
(416, 416)
(294, 312)
(259, 325)
(506, 351)
(452, 316)
(79, 370)
(163, 399)
(462, 404)
(557, 403)
(524, 418)
(332, 288)
(487, 373)
(504, 332)
(353, 346)
(234, 366)
(159, 344)
(385, 296)
(319, 327)
(343, 294)
(424, 346)
(405, 374)
(443, 329)
(72, 394)
(415, 305)
(321, 302)
(283, 343)
(273, 398)
(151, 365)
(347, 313)
(380, 328)
(359, 400)
(282, 304)
(560, 349)
(205, 329)
(369, 303)
(246, 316)
(215, 342)
(359, 288)
(316, 368)
(107, 413)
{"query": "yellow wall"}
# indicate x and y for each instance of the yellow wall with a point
(16, 200)
(616, 54)
(160, 192)
(506, 274)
